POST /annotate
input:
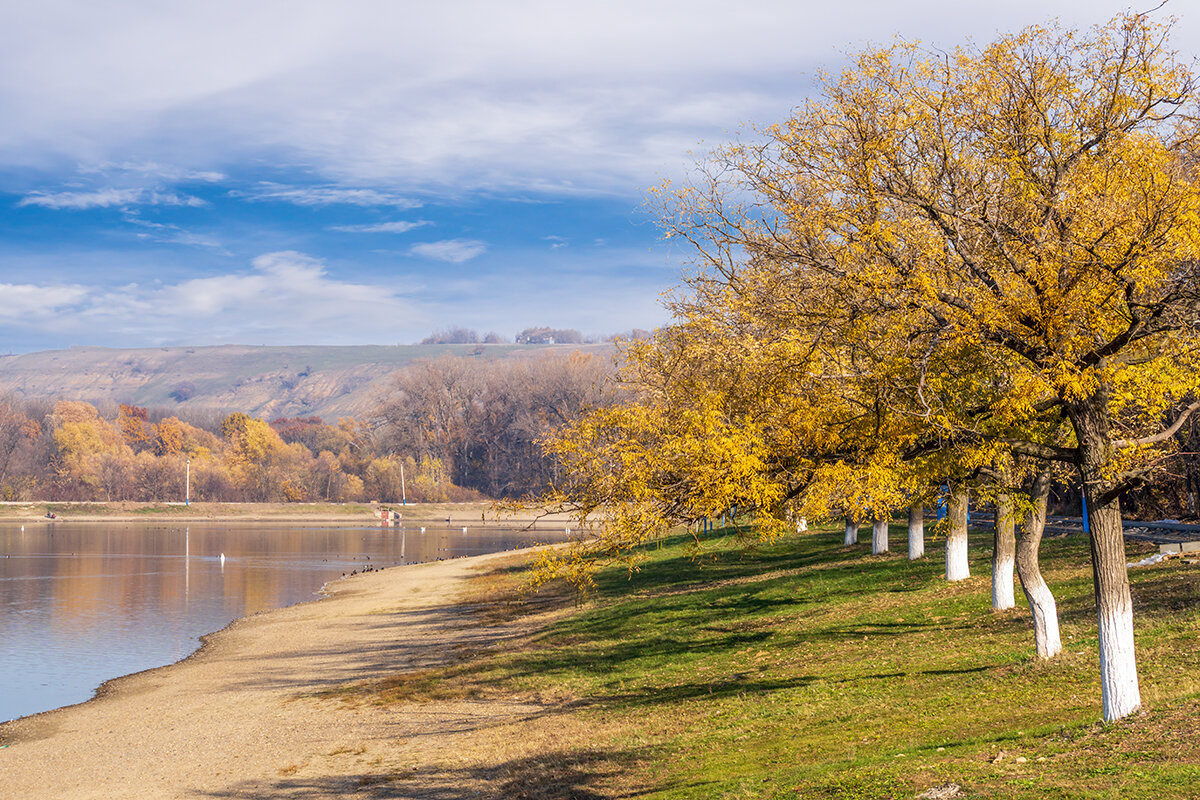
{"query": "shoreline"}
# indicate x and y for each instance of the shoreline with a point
(478, 514)
(265, 673)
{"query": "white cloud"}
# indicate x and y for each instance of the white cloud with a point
(325, 196)
(108, 198)
(27, 301)
(381, 227)
(569, 97)
(287, 298)
(456, 251)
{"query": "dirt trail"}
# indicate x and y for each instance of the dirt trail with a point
(239, 719)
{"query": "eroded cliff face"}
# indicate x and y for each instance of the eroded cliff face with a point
(266, 382)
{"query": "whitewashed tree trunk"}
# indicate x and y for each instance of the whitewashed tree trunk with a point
(957, 566)
(1114, 604)
(916, 532)
(802, 525)
(851, 532)
(879, 537)
(1004, 553)
(1114, 610)
(1041, 601)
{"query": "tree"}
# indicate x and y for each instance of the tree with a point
(175, 438)
(549, 336)
(18, 433)
(482, 421)
(452, 335)
(90, 455)
(1037, 593)
(133, 423)
(1031, 207)
(258, 460)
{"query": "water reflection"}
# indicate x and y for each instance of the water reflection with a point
(83, 603)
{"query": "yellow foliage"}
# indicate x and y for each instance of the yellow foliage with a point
(944, 261)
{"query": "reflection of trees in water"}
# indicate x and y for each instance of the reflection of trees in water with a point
(97, 571)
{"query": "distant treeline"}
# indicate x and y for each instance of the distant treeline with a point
(448, 430)
(457, 335)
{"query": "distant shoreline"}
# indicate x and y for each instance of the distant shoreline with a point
(357, 513)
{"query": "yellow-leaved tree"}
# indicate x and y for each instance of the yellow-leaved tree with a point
(1030, 209)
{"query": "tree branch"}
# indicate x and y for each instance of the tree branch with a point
(1164, 434)
(1043, 451)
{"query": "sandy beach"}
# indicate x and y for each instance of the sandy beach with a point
(243, 717)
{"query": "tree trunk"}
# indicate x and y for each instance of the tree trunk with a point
(851, 532)
(1114, 609)
(957, 566)
(1041, 602)
(1114, 605)
(1004, 550)
(879, 537)
(916, 532)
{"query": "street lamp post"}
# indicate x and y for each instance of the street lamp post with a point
(187, 486)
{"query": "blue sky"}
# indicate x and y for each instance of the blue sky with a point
(365, 172)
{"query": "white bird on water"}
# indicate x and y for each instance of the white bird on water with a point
(222, 559)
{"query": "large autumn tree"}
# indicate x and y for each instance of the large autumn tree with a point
(1033, 204)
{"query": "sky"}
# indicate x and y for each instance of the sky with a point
(357, 172)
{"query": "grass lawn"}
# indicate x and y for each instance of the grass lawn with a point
(806, 669)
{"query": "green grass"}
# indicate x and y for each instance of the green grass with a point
(805, 669)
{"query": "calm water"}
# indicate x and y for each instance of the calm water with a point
(80, 604)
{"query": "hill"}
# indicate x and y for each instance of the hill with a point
(267, 382)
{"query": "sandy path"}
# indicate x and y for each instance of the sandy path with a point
(238, 718)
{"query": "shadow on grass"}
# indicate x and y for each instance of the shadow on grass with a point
(562, 775)
(735, 685)
(1165, 590)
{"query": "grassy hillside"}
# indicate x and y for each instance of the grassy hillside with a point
(263, 381)
(808, 670)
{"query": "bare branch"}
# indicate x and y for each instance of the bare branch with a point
(1164, 434)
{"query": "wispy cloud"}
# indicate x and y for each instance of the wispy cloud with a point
(173, 234)
(456, 251)
(381, 227)
(108, 198)
(164, 172)
(325, 196)
(286, 298)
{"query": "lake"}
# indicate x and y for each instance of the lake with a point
(83, 603)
